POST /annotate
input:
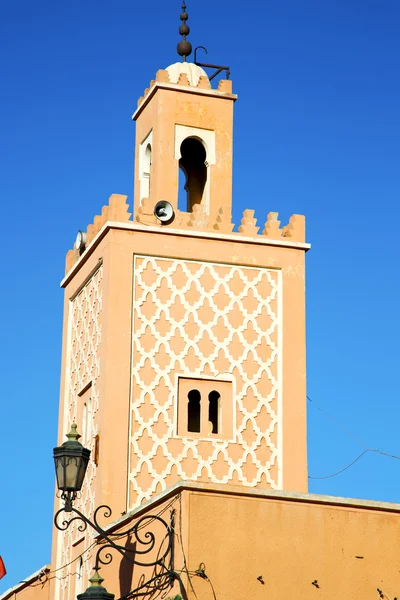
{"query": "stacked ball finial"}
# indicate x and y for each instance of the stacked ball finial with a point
(184, 47)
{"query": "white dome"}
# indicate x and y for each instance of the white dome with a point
(190, 69)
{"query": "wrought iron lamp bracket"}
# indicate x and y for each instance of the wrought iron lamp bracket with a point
(219, 68)
(163, 574)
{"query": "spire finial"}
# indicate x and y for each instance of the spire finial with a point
(184, 47)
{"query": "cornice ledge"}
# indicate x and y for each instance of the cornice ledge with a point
(187, 89)
(232, 490)
(236, 238)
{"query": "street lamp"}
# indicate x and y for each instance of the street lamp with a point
(96, 591)
(71, 460)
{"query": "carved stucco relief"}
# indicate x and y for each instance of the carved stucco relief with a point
(82, 370)
(199, 319)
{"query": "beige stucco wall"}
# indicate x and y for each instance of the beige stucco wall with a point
(105, 275)
(284, 266)
(188, 107)
(205, 319)
(347, 551)
(33, 588)
(259, 544)
(31, 592)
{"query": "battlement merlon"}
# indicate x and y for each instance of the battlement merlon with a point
(217, 225)
(184, 83)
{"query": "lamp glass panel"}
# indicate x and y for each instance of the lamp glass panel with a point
(71, 472)
(60, 472)
(82, 471)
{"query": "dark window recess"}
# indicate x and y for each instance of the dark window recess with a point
(194, 399)
(213, 410)
(193, 165)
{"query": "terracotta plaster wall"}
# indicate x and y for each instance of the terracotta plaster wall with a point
(34, 591)
(168, 108)
(347, 551)
(289, 262)
(115, 262)
(117, 251)
(106, 368)
(205, 320)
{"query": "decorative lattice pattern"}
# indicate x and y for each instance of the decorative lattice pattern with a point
(204, 319)
(82, 370)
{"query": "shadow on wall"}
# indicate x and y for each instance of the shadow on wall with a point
(126, 569)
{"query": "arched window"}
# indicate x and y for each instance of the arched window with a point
(145, 187)
(193, 421)
(145, 161)
(213, 411)
(193, 165)
(205, 408)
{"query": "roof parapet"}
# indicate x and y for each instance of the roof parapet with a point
(198, 220)
(203, 83)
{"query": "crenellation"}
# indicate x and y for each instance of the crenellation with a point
(181, 220)
(162, 76)
(217, 223)
(146, 214)
(98, 223)
(248, 223)
(116, 210)
(223, 221)
(272, 226)
(90, 233)
(70, 259)
(296, 229)
(183, 79)
(225, 86)
(198, 218)
(204, 83)
(104, 213)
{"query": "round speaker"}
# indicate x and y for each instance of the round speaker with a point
(164, 211)
(80, 241)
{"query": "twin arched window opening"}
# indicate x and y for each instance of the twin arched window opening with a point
(194, 412)
(193, 174)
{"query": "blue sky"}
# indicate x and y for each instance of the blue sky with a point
(317, 132)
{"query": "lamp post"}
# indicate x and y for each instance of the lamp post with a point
(71, 460)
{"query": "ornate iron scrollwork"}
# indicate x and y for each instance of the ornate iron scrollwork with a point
(148, 549)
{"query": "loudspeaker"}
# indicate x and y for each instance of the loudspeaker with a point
(164, 211)
(80, 242)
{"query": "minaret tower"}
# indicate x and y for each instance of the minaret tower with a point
(184, 124)
(184, 339)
